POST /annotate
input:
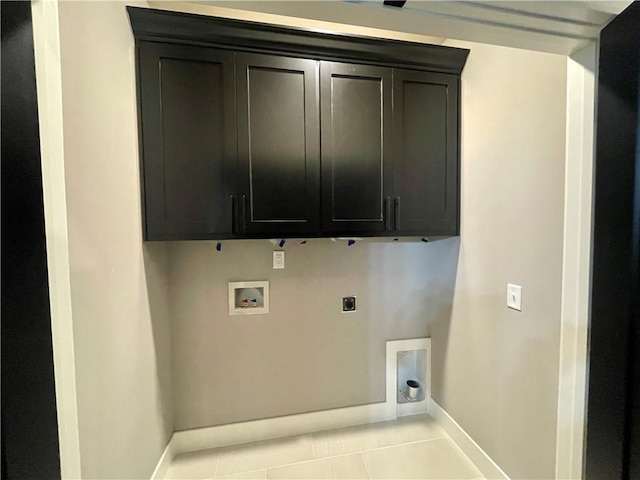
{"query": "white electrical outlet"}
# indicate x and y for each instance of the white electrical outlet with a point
(278, 259)
(514, 296)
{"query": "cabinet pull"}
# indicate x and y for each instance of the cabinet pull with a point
(233, 214)
(396, 213)
(244, 214)
(387, 212)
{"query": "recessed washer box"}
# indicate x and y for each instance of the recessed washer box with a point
(249, 298)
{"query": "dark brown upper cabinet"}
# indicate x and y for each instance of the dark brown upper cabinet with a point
(250, 130)
(425, 153)
(389, 154)
(188, 133)
(278, 145)
(356, 147)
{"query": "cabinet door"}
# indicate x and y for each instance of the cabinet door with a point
(425, 167)
(356, 147)
(187, 102)
(278, 144)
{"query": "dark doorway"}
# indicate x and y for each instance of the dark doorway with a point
(29, 420)
(612, 436)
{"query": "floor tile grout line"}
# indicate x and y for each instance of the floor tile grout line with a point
(366, 468)
(360, 452)
(406, 443)
(215, 470)
(382, 448)
(243, 473)
(313, 449)
(378, 448)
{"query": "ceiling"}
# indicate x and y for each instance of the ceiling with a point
(560, 27)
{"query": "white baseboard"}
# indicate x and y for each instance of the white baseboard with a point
(165, 460)
(256, 430)
(269, 428)
(469, 447)
(235, 433)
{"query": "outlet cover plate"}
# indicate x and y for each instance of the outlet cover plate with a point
(278, 259)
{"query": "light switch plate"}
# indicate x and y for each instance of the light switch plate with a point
(278, 259)
(514, 296)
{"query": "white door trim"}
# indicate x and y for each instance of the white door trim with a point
(46, 36)
(576, 263)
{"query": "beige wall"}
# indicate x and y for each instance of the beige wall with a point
(118, 285)
(497, 369)
(305, 355)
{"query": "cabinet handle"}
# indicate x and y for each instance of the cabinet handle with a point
(244, 214)
(396, 213)
(233, 214)
(387, 212)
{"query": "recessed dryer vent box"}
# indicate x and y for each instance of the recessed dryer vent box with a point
(412, 367)
(248, 298)
(408, 377)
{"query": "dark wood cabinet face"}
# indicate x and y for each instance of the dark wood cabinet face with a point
(425, 160)
(278, 143)
(187, 101)
(356, 147)
(251, 142)
(242, 145)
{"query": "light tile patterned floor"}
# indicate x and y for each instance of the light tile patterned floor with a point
(410, 447)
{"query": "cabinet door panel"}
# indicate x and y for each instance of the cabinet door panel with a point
(278, 144)
(356, 134)
(425, 169)
(189, 144)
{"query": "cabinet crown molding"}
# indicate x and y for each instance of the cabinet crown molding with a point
(175, 27)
